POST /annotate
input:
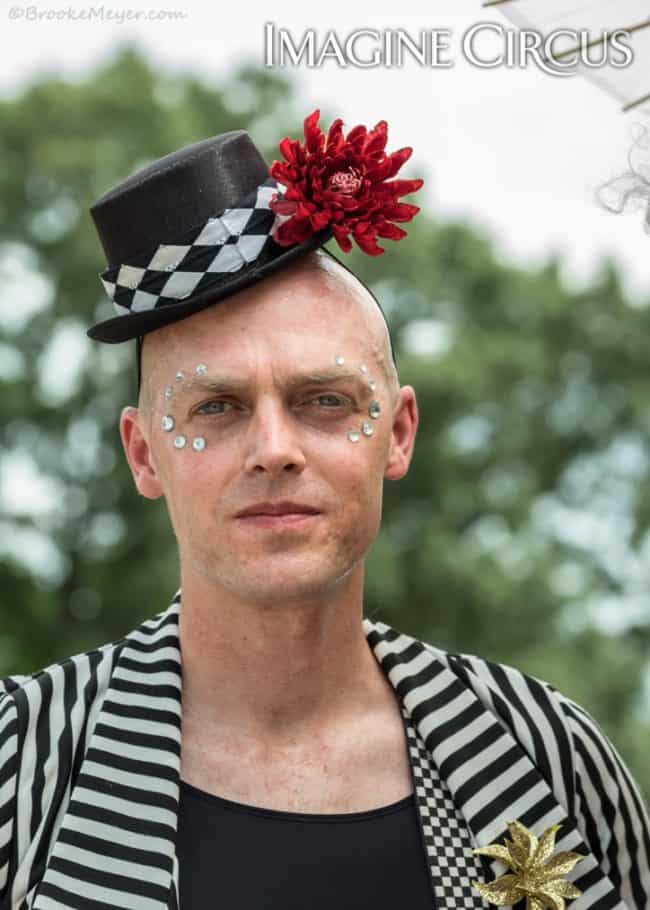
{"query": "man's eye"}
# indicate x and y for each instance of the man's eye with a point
(337, 399)
(216, 405)
(208, 407)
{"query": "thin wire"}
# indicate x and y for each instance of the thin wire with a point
(138, 355)
(631, 104)
(603, 40)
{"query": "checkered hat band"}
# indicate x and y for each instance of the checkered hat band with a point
(198, 260)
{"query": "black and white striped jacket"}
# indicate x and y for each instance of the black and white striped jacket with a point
(90, 758)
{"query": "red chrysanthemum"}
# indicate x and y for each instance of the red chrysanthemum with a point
(342, 181)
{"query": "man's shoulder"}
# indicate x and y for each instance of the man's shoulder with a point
(539, 716)
(483, 674)
(94, 665)
(64, 669)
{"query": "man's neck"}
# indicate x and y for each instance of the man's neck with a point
(280, 673)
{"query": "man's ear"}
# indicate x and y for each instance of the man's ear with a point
(405, 424)
(138, 454)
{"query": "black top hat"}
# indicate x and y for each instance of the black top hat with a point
(212, 218)
(186, 231)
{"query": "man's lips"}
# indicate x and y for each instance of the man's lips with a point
(277, 509)
(284, 519)
(279, 521)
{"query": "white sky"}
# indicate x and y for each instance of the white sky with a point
(517, 151)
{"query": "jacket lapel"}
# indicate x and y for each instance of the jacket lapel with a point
(116, 842)
(127, 791)
(493, 781)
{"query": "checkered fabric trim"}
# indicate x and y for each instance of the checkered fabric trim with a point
(199, 259)
(448, 842)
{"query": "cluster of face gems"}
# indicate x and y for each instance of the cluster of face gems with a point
(374, 409)
(198, 443)
(168, 423)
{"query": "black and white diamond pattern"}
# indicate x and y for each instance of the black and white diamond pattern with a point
(198, 261)
(452, 864)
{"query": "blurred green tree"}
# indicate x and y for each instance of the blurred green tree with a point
(521, 529)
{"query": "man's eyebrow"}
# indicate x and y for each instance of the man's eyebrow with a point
(224, 383)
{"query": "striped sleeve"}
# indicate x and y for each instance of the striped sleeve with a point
(586, 773)
(8, 777)
(609, 806)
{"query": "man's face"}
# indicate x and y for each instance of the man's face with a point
(289, 373)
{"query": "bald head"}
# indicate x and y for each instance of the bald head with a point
(316, 268)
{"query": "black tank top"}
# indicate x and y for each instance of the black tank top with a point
(239, 857)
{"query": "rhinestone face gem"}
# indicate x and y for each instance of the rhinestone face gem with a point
(366, 428)
(340, 360)
(353, 436)
(363, 368)
(372, 385)
(198, 444)
(169, 392)
(167, 423)
(180, 376)
(179, 442)
(201, 369)
(374, 410)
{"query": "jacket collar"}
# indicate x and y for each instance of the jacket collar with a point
(443, 708)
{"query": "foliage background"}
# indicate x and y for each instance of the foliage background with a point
(521, 530)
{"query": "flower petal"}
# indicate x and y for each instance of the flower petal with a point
(341, 237)
(390, 165)
(287, 147)
(334, 136)
(546, 845)
(320, 220)
(403, 187)
(376, 139)
(554, 900)
(399, 211)
(295, 230)
(564, 888)
(390, 231)
(368, 244)
(357, 135)
(282, 206)
(496, 851)
(314, 136)
(502, 891)
(519, 856)
(562, 863)
(522, 836)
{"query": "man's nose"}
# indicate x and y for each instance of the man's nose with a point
(273, 441)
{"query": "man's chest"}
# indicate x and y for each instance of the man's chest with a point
(337, 774)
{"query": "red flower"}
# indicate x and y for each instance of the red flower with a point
(343, 182)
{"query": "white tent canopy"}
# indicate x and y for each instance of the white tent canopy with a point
(631, 84)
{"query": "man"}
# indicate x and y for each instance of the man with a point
(259, 743)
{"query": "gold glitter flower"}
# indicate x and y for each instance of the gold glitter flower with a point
(536, 874)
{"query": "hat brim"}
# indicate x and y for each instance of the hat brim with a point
(273, 258)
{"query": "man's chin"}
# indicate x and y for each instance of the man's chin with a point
(283, 579)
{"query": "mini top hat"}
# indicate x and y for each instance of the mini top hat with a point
(212, 218)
